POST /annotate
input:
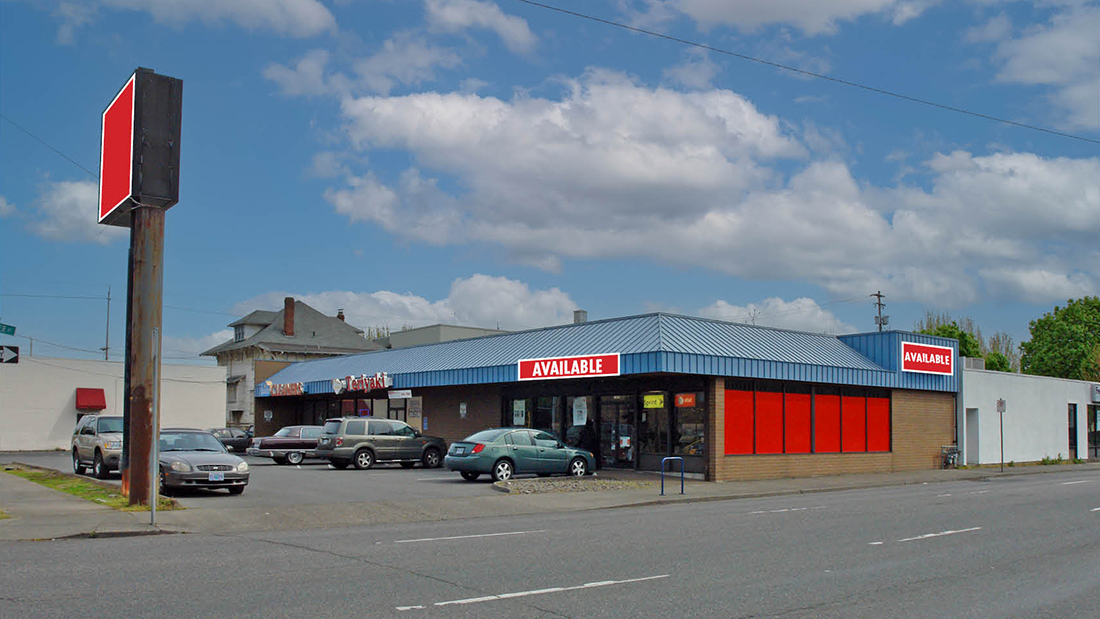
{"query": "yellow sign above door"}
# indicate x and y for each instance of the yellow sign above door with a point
(655, 400)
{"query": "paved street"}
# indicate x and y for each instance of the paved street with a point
(1022, 546)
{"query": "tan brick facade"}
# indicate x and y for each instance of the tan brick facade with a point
(921, 422)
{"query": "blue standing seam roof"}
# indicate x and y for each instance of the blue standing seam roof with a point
(648, 343)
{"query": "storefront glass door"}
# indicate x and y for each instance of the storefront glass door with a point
(617, 413)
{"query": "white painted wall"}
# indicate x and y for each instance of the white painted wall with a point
(38, 398)
(1036, 421)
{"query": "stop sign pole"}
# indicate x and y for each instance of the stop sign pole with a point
(138, 182)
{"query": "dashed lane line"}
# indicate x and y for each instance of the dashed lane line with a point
(439, 539)
(520, 594)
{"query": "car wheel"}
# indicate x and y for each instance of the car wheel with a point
(502, 470)
(295, 457)
(364, 459)
(165, 489)
(279, 459)
(99, 468)
(578, 467)
(470, 475)
(431, 458)
(339, 464)
(78, 468)
(235, 489)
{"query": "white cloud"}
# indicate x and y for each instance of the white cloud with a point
(1063, 54)
(696, 71)
(179, 349)
(307, 77)
(996, 29)
(7, 209)
(476, 301)
(612, 169)
(405, 58)
(299, 18)
(810, 17)
(72, 17)
(68, 211)
(802, 314)
(457, 15)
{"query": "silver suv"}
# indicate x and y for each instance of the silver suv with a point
(362, 441)
(97, 442)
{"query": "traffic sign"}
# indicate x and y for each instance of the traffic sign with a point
(6, 329)
(9, 354)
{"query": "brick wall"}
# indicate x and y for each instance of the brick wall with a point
(441, 410)
(921, 422)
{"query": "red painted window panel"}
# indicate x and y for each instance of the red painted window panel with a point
(826, 423)
(878, 424)
(769, 422)
(739, 422)
(797, 428)
(854, 426)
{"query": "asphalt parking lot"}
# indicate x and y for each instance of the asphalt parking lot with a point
(313, 482)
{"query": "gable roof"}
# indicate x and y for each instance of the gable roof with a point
(314, 332)
(647, 343)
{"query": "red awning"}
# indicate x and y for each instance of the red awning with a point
(88, 399)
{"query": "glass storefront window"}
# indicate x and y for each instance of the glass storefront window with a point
(653, 425)
(347, 408)
(689, 425)
(547, 415)
(580, 423)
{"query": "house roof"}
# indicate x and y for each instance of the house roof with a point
(647, 343)
(314, 332)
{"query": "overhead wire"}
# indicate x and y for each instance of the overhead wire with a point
(874, 89)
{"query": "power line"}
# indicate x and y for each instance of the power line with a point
(47, 145)
(777, 65)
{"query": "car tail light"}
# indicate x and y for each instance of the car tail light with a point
(477, 448)
(339, 441)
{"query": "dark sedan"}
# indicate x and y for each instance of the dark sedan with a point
(195, 459)
(234, 439)
(291, 444)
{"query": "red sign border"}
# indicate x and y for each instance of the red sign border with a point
(951, 355)
(618, 366)
(132, 84)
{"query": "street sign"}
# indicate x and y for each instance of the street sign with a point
(9, 354)
(1001, 406)
(6, 329)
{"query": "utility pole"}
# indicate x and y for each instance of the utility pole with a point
(880, 320)
(107, 341)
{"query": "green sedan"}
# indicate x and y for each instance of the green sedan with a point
(505, 452)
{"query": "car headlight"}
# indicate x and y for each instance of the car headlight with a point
(181, 467)
(113, 445)
(242, 467)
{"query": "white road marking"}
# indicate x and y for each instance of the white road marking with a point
(875, 543)
(438, 539)
(780, 511)
(943, 495)
(940, 534)
(1096, 509)
(1082, 481)
(979, 492)
(519, 594)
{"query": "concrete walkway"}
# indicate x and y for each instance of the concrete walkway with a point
(39, 513)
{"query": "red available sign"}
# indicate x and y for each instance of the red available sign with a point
(583, 366)
(927, 359)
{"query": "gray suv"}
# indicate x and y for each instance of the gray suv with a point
(362, 441)
(97, 442)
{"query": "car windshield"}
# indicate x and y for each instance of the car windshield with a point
(189, 441)
(332, 426)
(109, 424)
(485, 436)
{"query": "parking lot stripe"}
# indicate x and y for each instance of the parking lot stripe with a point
(519, 594)
(940, 534)
(437, 539)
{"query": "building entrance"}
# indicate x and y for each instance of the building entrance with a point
(617, 422)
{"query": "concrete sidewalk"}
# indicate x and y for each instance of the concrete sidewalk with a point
(38, 513)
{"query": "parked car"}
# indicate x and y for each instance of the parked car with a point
(504, 452)
(363, 441)
(234, 439)
(290, 444)
(195, 459)
(97, 443)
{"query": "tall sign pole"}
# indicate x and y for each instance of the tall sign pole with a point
(138, 182)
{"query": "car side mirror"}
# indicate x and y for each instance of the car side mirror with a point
(560, 445)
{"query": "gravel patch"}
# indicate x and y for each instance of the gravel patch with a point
(567, 484)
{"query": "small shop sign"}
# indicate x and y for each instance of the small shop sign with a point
(927, 359)
(653, 400)
(1096, 393)
(287, 389)
(582, 366)
(380, 380)
(685, 400)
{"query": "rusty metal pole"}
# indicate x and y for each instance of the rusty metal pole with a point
(147, 283)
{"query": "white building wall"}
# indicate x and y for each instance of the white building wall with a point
(38, 398)
(1036, 421)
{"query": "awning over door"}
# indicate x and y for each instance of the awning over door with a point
(90, 399)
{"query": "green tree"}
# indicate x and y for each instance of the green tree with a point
(968, 344)
(1066, 342)
(997, 362)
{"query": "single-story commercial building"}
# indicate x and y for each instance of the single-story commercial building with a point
(733, 401)
(41, 398)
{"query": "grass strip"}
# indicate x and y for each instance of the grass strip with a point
(88, 490)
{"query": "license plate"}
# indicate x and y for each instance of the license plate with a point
(459, 451)
(217, 477)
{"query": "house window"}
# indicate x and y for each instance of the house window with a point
(238, 334)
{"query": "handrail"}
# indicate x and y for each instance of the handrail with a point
(663, 460)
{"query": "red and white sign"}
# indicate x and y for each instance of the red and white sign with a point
(685, 400)
(583, 366)
(284, 389)
(381, 380)
(927, 359)
(116, 157)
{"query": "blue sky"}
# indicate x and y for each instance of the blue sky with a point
(500, 164)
